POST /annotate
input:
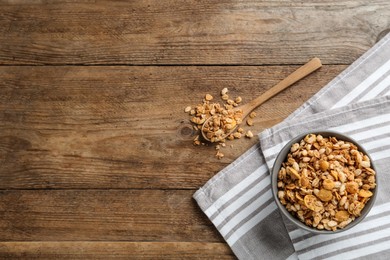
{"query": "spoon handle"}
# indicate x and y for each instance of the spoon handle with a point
(300, 73)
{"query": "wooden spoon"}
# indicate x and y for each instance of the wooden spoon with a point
(246, 109)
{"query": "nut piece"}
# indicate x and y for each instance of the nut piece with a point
(304, 182)
(293, 173)
(365, 164)
(252, 114)
(351, 187)
(249, 121)
(237, 135)
(294, 147)
(187, 109)
(208, 97)
(249, 134)
(332, 224)
(365, 193)
(219, 155)
(310, 138)
(224, 91)
(341, 215)
(324, 165)
(230, 101)
(225, 97)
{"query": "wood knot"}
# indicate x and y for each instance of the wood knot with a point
(15, 143)
(186, 131)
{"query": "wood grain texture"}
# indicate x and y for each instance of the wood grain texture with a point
(114, 250)
(103, 215)
(125, 127)
(189, 32)
(97, 162)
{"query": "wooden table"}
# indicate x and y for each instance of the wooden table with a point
(96, 154)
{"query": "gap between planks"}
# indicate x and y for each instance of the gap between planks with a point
(164, 65)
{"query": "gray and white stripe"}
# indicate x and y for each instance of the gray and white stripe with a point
(367, 87)
(252, 195)
(374, 134)
(357, 103)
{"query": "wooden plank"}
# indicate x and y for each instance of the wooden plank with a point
(103, 215)
(190, 32)
(125, 127)
(117, 250)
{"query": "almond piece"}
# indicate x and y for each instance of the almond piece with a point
(365, 193)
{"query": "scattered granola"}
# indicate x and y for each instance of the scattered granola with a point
(225, 117)
(224, 91)
(208, 97)
(252, 114)
(187, 109)
(249, 134)
(325, 182)
(219, 155)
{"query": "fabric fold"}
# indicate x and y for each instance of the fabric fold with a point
(238, 199)
(368, 123)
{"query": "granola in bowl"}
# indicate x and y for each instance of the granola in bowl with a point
(324, 182)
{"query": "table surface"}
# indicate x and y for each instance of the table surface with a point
(96, 154)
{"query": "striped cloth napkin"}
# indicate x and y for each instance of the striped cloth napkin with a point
(239, 202)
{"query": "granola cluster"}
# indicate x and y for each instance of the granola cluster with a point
(224, 124)
(325, 182)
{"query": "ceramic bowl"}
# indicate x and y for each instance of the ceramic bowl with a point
(282, 157)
